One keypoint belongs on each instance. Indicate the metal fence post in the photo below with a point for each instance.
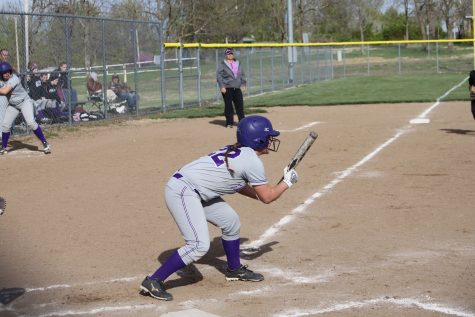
(104, 69)
(282, 67)
(198, 66)
(68, 75)
(344, 62)
(162, 69)
(272, 68)
(332, 71)
(318, 65)
(260, 70)
(399, 58)
(249, 75)
(218, 89)
(369, 71)
(310, 66)
(437, 56)
(180, 80)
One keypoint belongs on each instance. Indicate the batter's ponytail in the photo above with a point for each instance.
(229, 150)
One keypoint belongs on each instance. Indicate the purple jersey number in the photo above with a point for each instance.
(218, 156)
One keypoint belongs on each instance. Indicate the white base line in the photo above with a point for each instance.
(99, 310)
(426, 112)
(405, 302)
(61, 286)
(302, 207)
(308, 125)
(349, 171)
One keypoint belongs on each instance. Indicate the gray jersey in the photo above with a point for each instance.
(18, 94)
(211, 178)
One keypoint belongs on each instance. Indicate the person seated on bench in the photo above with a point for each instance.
(123, 92)
(38, 92)
(94, 87)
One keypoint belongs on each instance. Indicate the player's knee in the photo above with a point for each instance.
(197, 249)
(32, 125)
(202, 248)
(232, 229)
(6, 127)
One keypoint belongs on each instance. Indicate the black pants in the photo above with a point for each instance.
(473, 109)
(233, 96)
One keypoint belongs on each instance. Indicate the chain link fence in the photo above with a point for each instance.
(170, 76)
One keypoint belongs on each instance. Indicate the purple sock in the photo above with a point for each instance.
(231, 248)
(5, 137)
(39, 133)
(170, 266)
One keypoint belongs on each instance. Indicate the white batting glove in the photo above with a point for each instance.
(290, 176)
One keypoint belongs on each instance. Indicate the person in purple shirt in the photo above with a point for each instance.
(232, 83)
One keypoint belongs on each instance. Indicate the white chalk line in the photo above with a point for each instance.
(298, 278)
(62, 286)
(302, 207)
(95, 311)
(308, 125)
(428, 110)
(404, 302)
(348, 172)
(271, 231)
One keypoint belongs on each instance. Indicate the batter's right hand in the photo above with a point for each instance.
(223, 90)
(290, 176)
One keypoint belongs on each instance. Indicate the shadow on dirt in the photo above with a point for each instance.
(459, 131)
(215, 258)
(18, 145)
(8, 295)
(220, 122)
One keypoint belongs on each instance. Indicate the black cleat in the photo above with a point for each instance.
(243, 274)
(155, 288)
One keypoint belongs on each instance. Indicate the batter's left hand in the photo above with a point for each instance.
(290, 176)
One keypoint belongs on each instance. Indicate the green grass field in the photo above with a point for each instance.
(364, 90)
(355, 90)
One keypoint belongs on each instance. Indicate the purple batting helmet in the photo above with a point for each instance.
(257, 133)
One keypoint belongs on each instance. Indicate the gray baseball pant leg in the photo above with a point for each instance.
(3, 107)
(26, 108)
(186, 209)
(223, 216)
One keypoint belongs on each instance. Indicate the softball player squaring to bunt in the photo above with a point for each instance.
(18, 100)
(193, 197)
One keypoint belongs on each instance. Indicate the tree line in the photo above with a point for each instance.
(212, 21)
(265, 20)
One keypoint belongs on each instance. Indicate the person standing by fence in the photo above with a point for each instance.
(232, 83)
(4, 57)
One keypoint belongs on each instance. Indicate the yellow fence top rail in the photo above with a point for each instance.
(235, 45)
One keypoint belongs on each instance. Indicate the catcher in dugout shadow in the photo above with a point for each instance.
(193, 197)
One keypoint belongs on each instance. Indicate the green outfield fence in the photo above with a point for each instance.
(170, 76)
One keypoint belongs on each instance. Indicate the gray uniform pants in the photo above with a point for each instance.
(192, 215)
(26, 108)
(3, 107)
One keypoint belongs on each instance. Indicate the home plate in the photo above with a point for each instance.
(419, 121)
(189, 312)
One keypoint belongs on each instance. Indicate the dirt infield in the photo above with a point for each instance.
(381, 222)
